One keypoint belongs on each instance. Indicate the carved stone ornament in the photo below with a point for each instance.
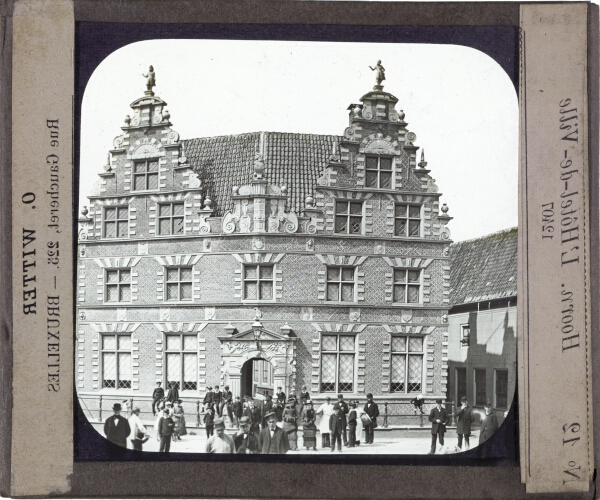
(142, 248)
(445, 233)
(406, 315)
(82, 250)
(157, 118)
(446, 251)
(380, 146)
(207, 244)
(367, 113)
(210, 313)
(194, 181)
(204, 225)
(349, 132)
(229, 223)
(432, 186)
(118, 141)
(380, 248)
(257, 314)
(393, 116)
(165, 313)
(411, 137)
(172, 137)
(354, 315)
(310, 244)
(82, 315)
(258, 243)
(325, 178)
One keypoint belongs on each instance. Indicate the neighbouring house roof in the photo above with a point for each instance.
(484, 268)
(293, 160)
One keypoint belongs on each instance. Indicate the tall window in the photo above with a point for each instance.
(379, 172)
(258, 282)
(170, 218)
(348, 217)
(116, 361)
(341, 282)
(461, 384)
(465, 334)
(145, 175)
(182, 361)
(407, 286)
(116, 222)
(265, 371)
(501, 386)
(337, 363)
(178, 283)
(480, 389)
(407, 364)
(407, 220)
(117, 285)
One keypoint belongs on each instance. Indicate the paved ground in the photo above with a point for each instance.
(387, 442)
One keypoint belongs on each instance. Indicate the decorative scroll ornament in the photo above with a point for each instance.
(432, 186)
(349, 132)
(229, 223)
(367, 112)
(118, 141)
(411, 137)
(204, 226)
(380, 146)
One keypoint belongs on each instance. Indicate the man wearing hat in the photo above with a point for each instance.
(139, 434)
(463, 424)
(326, 410)
(165, 431)
(237, 411)
(208, 398)
(220, 442)
(489, 423)
(438, 418)
(116, 427)
(343, 412)
(272, 440)
(335, 427)
(226, 400)
(372, 410)
(246, 440)
(352, 416)
(157, 395)
(217, 400)
(280, 404)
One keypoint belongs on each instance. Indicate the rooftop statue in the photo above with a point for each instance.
(380, 72)
(150, 78)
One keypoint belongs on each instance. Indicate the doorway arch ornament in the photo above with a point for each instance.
(258, 342)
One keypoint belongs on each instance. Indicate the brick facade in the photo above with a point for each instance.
(232, 245)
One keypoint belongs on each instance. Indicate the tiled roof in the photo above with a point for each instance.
(293, 160)
(484, 268)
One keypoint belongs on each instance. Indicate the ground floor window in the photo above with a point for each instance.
(501, 389)
(480, 388)
(406, 364)
(337, 363)
(116, 361)
(181, 356)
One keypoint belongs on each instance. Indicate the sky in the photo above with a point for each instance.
(458, 101)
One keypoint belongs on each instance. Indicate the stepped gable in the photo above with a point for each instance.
(484, 268)
(292, 160)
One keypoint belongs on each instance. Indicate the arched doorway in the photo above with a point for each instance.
(256, 378)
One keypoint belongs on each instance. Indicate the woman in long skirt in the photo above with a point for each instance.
(309, 429)
(179, 417)
(290, 425)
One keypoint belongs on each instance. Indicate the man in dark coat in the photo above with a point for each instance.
(463, 424)
(438, 418)
(246, 440)
(266, 409)
(208, 398)
(273, 440)
(236, 411)
(157, 395)
(343, 412)
(489, 423)
(352, 425)
(116, 427)
(279, 404)
(226, 400)
(372, 410)
(173, 394)
(336, 427)
(217, 400)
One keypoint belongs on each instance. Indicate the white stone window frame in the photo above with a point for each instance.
(355, 367)
(179, 282)
(407, 353)
(341, 282)
(391, 171)
(407, 284)
(118, 284)
(348, 215)
(182, 351)
(163, 199)
(145, 174)
(171, 217)
(408, 220)
(116, 220)
(116, 351)
(258, 280)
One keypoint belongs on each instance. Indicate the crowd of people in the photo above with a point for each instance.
(271, 425)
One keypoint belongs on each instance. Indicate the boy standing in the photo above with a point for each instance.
(335, 428)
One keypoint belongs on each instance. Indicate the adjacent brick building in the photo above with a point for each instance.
(482, 346)
(326, 257)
